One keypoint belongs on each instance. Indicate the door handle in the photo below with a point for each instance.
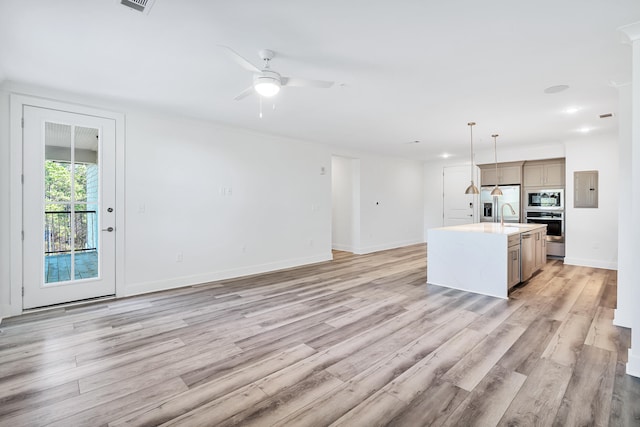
(109, 229)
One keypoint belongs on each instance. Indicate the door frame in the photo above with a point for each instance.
(17, 101)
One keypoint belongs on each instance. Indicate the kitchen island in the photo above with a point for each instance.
(485, 258)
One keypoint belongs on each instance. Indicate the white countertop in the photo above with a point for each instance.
(494, 228)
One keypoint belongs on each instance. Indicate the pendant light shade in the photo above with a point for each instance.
(496, 190)
(471, 189)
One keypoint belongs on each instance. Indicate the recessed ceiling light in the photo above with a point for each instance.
(556, 89)
(572, 110)
(584, 130)
(445, 155)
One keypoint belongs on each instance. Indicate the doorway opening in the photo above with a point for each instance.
(345, 204)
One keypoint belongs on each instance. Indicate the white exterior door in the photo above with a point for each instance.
(458, 208)
(69, 207)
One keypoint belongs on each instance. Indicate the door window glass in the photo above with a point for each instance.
(71, 191)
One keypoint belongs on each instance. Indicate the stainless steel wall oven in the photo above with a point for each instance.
(553, 220)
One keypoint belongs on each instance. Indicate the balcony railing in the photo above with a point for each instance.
(58, 231)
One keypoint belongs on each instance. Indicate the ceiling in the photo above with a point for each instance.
(413, 70)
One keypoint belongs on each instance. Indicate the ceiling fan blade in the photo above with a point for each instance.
(244, 63)
(248, 91)
(292, 81)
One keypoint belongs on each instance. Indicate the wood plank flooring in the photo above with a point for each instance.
(359, 341)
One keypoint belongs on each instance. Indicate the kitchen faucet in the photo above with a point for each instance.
(502, 213)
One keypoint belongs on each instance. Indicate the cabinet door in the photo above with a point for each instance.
(533, 175)
(541, 257)
(488, 177)
(554, 174)
(513, 265)
(509, 175)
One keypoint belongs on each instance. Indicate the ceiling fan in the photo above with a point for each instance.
(267, 82)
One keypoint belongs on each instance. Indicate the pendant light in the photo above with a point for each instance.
(496, 190)
(471, 189)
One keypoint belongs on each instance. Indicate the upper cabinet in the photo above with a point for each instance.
(508, 173)
(547, 173)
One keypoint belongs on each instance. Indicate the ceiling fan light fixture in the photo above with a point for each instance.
(266, 86)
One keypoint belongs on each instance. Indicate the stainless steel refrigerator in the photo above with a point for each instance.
(491, 207)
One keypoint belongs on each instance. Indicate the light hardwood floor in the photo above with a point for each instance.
(359, 341)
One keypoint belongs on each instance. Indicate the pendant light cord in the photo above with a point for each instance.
(471, 156)
(495, 155)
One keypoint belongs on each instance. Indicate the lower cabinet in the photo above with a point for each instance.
(533, 252)
(513, 265)
(541, 249)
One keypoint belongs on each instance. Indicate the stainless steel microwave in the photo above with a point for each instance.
(552, 199)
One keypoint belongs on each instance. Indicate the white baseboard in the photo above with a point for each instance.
(622, 318)
(385, 246)
(178, 282)
(339, 247)
(7, 311)
(594, 263)
(633, 365)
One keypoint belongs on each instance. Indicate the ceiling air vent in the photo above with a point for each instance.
(139, 5)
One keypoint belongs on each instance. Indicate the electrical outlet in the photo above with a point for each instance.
(179, 257)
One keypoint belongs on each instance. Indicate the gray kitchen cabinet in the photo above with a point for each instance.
(540, 239)
(507, 174)
(513, 261)
(548, 173)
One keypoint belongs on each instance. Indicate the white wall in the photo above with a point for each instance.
(342, 199)
(433, 186)
(626, 279)
(633, 366)
(388, 201)
(5, 265)
(631, 248)
(278, 214)
(391, 203)
(506, 153)
(591, 235)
